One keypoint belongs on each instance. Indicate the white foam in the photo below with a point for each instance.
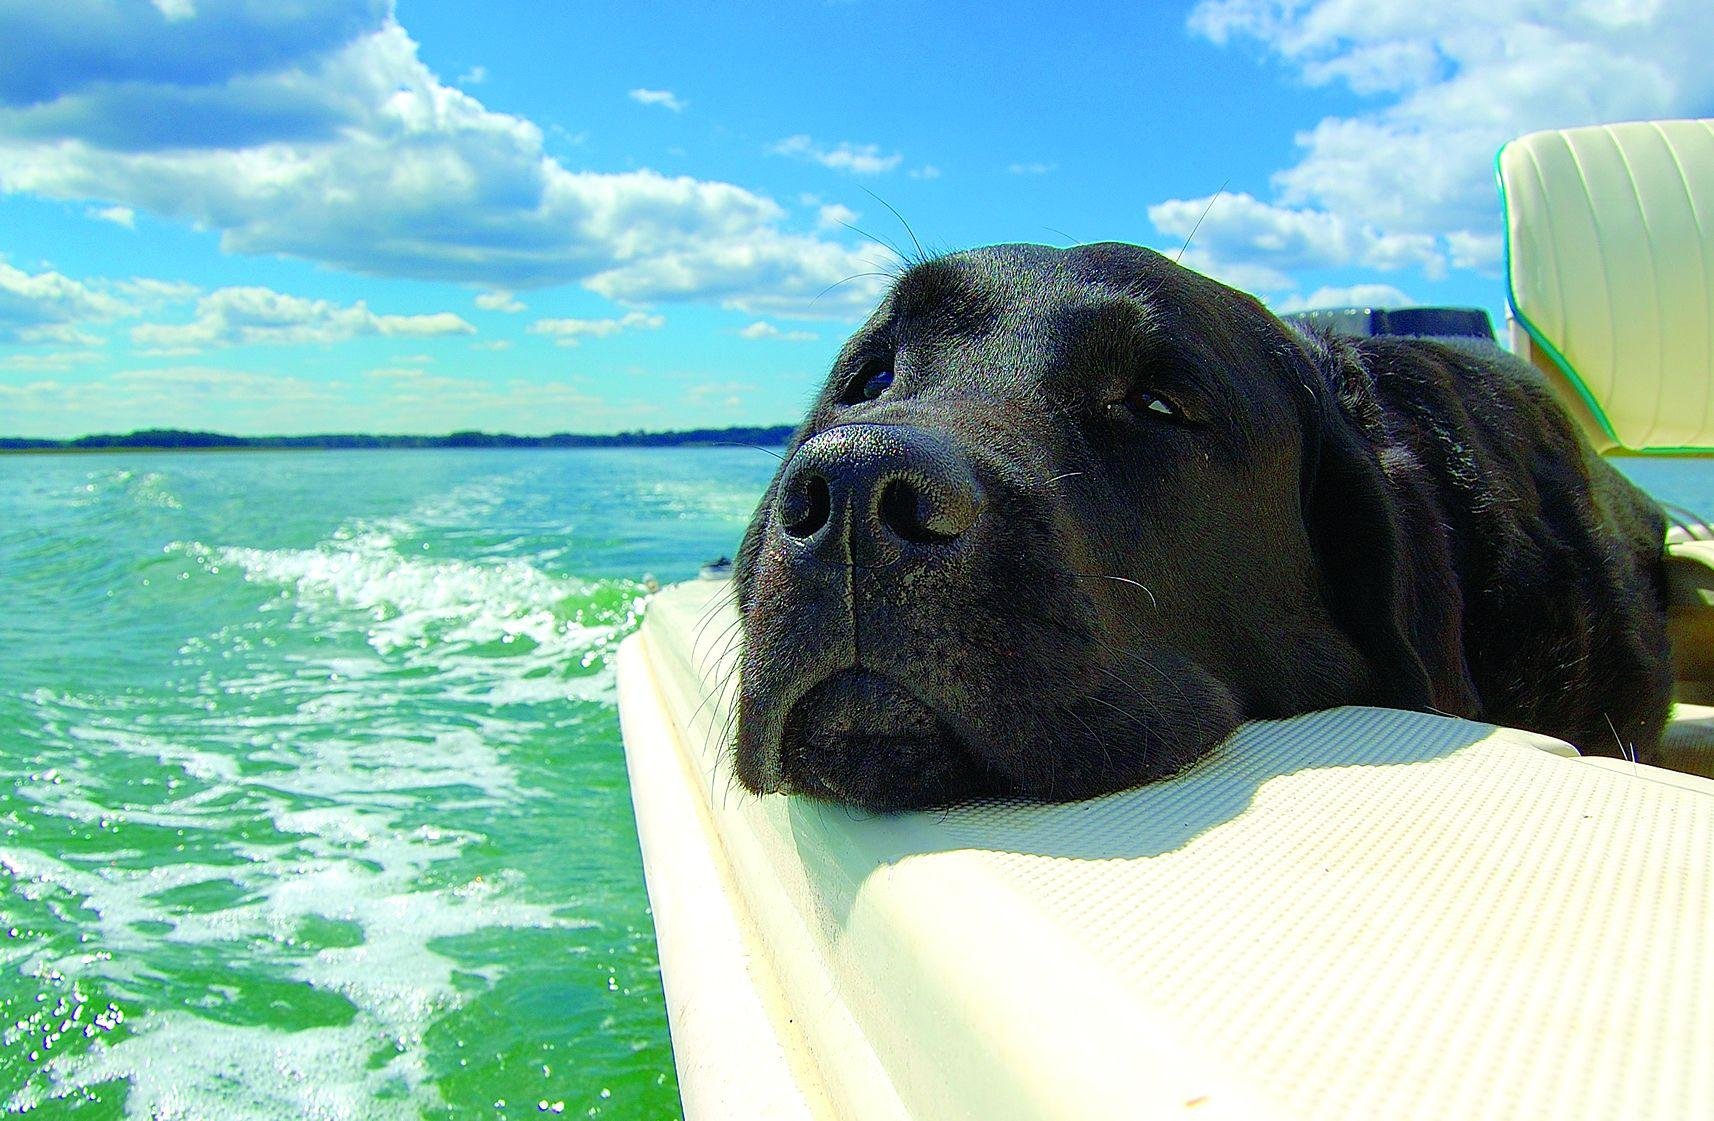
(183, 1067)
(350, 861)
(410, 601)
(321, 749)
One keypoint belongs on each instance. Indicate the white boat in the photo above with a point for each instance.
(1358, 913)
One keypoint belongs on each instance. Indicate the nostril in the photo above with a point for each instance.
(914, 517)
(809, 509)
(857, 493)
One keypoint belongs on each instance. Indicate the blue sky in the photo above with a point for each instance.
(356, 215)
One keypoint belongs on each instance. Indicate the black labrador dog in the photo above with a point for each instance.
(1062, 519)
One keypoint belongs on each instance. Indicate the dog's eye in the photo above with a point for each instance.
(870, 382)
(1139, 401)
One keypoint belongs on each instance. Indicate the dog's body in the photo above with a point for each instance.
(1062, 519)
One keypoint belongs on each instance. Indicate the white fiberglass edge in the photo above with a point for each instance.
(1353, 914)
(732, 1060)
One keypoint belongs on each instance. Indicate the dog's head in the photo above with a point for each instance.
(1058, 522)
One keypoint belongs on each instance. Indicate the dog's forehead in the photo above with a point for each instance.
(1027, 307)
(1021, 320)
(1020, 281)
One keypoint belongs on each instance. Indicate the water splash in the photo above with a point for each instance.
(301, 781)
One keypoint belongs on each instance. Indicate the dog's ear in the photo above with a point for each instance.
(1385, 564)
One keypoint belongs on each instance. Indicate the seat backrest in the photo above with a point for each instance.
(1610, 269)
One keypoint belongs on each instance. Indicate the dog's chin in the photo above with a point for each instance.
(865, 740)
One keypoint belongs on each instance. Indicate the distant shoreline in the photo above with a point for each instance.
(173, 439)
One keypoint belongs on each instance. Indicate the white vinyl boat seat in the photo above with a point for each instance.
(1610, 279)
(1610, 271)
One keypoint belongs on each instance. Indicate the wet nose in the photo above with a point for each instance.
(876, 489)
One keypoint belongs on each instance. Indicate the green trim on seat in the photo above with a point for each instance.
(1687, 452)
(1572, 377)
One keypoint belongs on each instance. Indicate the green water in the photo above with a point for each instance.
(313, 801)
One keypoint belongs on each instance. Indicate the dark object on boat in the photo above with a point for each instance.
(720, 568)
(1470, 324)
(1062, 519)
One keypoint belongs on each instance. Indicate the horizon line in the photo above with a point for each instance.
(184, 439)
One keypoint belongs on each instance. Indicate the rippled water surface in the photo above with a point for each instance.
(313, 801)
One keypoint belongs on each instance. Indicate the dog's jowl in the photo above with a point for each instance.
(1061, 519)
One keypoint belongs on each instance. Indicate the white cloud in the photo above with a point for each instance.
(499, 301)
(768, 273)
(216, 383)
(315, 130)
(572, 332)
(475, 76)
(727, 395)
(927, 171)
(762, 329)
(1234, 225)
(666, 99)
(1355, 295)
(49, 359)
(440, 404)
(199, 397)
(35, 396)
(46, 307)
(58, 334)
(1409, 182)
(79, 48)
(1245, 274)
(248, 402)
(858, 159)
(1475, 250)
(1031, 168)
(834, 214)
(118, 215)
(246, 316)
(150, 291)
(166, 389)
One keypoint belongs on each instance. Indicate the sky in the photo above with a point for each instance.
(416, 217)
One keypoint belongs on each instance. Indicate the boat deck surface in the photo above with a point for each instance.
(1353, 914)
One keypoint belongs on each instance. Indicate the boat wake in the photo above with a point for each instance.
(259, 889)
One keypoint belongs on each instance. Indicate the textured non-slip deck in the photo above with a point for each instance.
(1353, 914)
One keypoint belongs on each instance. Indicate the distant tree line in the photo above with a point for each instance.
(766, 435)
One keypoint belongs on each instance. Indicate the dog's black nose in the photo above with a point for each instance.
(874, 488)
